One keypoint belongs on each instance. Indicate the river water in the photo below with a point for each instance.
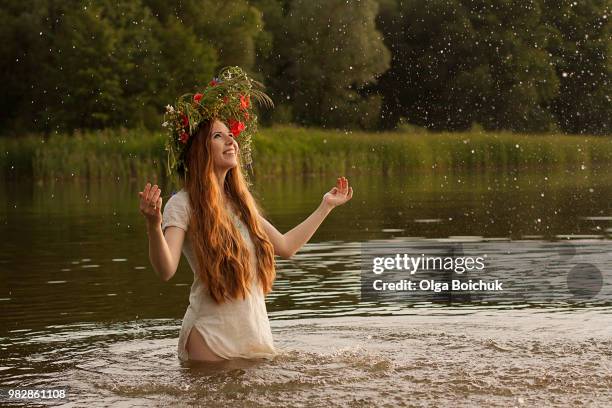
(82, 308)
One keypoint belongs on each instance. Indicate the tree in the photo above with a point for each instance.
(335, 51)
(273, 59)
(184, 62)
(22, 48)
(85, 67)
(456, 62)
(580, 50)
(229, 26)
(99, 71)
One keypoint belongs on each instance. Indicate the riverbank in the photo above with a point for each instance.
(137, 154)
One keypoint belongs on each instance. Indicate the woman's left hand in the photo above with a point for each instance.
(338, 195)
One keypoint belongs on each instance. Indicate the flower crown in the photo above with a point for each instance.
(227, 98)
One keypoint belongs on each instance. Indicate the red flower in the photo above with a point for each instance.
(214, 82)
(197, 97)
(236, 127)
(245, 101)
(184, 137)
(225, 99)
(185, 120)
(246, 115)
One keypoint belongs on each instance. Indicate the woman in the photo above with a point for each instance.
(215, 221)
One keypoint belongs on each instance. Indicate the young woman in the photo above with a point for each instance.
(216, 223)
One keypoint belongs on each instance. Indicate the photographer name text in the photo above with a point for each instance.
(438, 286)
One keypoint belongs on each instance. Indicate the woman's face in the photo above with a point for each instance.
(223, 147)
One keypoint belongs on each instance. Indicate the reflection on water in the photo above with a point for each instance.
(81, 306)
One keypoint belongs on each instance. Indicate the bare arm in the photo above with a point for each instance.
(286, 245)
(164, 251)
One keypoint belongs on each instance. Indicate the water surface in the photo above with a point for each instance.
(81, 306)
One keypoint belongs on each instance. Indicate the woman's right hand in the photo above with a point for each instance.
(150, 204)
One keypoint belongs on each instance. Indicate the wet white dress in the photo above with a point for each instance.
(234, 329)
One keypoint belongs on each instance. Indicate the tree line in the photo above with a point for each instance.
(519, 65)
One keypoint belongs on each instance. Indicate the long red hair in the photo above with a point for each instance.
(222, 254)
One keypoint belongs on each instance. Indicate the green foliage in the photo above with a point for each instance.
(336, 50)
(138, 154)
(520, 65)
(111, 64)
(500, 64)
(198, 61)
(101, 71)
(230, 26)
(581, 50)
(458, 62)
(227, 98)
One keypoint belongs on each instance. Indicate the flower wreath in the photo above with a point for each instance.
(227, 98)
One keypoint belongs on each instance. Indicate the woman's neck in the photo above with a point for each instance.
(229, 203)
(221, 174)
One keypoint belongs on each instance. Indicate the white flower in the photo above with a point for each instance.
(165, 124)
(169, 108)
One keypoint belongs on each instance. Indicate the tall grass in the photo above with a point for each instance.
(121, 154)
(295, 150)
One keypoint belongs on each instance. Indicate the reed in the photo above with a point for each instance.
(288, 150)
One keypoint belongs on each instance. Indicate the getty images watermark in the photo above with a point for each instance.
(486, 272)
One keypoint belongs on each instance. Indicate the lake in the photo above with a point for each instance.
(83, 309)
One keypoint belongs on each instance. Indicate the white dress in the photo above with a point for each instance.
(234, 329)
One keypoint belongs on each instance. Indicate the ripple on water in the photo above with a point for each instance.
(423, 359)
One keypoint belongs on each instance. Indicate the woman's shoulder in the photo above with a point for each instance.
(180, 197)
(181, 194)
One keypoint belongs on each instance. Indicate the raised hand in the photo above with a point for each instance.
(340, 194)
(151, 204)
